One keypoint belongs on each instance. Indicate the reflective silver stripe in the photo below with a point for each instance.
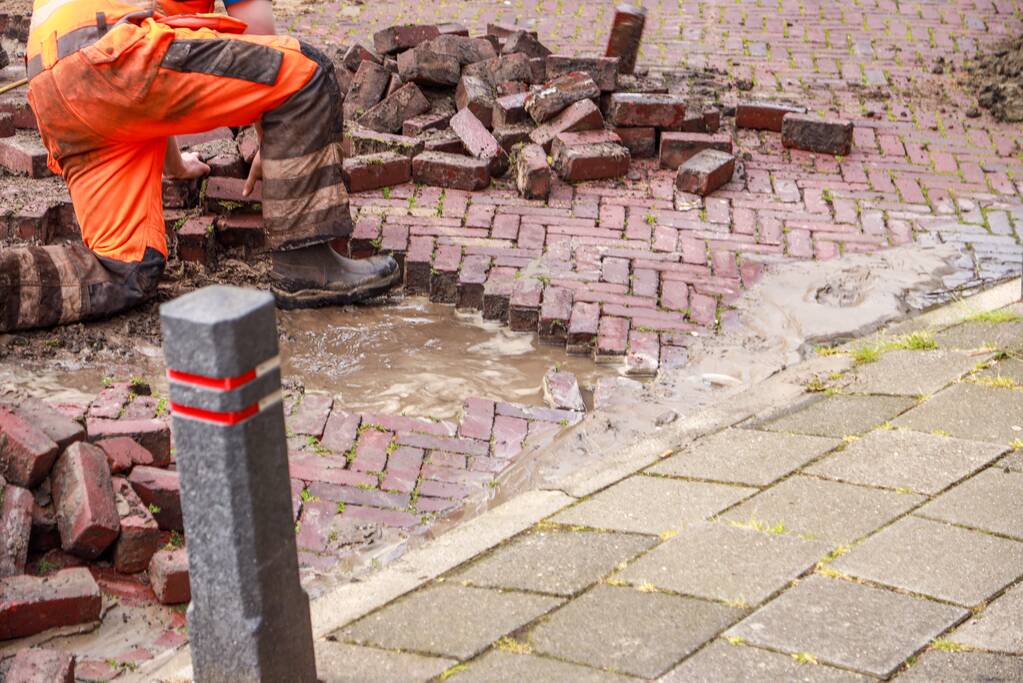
(67, 44)
(40, 15)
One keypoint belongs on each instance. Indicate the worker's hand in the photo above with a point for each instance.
(255, 174)
(191, 166)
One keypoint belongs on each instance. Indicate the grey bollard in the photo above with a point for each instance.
(249, 617)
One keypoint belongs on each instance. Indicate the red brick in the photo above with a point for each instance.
(16, 506)
(417, 125)
(427, 67)
(509, 110)
(16, 104)
(368, 87)
(557, 94)
(532, 172)
(466, 50)
(38, 665)
(603, 70)
(524, 305)
(583, 327)
(555, 312)
(32, 604)
(711, 119)
(443, 141)
(586, 137)
(612, 337)
(394, 39)
(26, 452)
(641, 142)
(196, 241)
(140, 535)
(471, 279)
(504, 30)
(240, 231)
(677, 147)
(477, 419)
(356, 55)
(814, 134)
(224, 195)
(160, 491)
(582, 115)
(123, 453)
(373, 171)
(451, 170)
(509, 433)
(417, 263)
(513, 67)
(442, 443)
(24, 154)
(6, 125)
(359, 141)
(524, 42)
(444, 276)
(763, 115)
(643, 110)
(705, 172)
(327, 469)
(497, 292)
(153, 435)
(388, 115)
(626, 36)
(83, 498)
(452, 28)
(510, 136)
(643, 354)
(168, 573)
(591, 161)
(476, 95)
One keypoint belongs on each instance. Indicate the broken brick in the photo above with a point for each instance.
(643, 354)
(705, 172)
(39, 665)
(476, 95)
(561, 391)
(532, 173)
(677, 147)
(466, 50)
(510, 136)
(426, 67)
(394, 39)
(603, 70)
(582, 115)
(509, 110)
(373, 171)
(26, 452)
(16, 505)
(417, 125)
(140, 535)
(626, 36)
(83, 497)
(153, 435)
(591, 161)
(641, 142)
(525, 43)
(763, 115)
(513, 67)
(368, 88)
(160, 491)
(168, 573)
(32, 604)
(388, 115)
(815, 134)
(479, 142)
(544, 104)
(666, 112)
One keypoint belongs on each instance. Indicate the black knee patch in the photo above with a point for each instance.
(225, 58)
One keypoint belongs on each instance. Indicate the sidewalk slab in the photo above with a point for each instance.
(504, 667)
(911, 373)
(984, 335)
(936, 559)
(745, 456)
(866, 629)
(988, 501)
(999, 627)
(722, 562)
(1014, 462)
(899, 458)
(936, 665)
(966, 411)
(343, 663)
(721, 661)
(447, 620)
(558, 562)
(839, 416)
(652, 505)
(824, 510)
(634, 632)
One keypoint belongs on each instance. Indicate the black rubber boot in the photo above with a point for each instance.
(317, 276)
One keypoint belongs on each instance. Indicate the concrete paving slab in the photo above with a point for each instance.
(823, 510)
(965, 411)
(839, 415)
(904, 459)
(558, 562)
(745, 456)
(344, 663)
(1013, 462)
(652, 505)
(472, 619)
(936, 559)
(936, 666)
(505, 667)
(999, 627)
(1007, 369)
(911, 373)
(721, 661)
(723, 562)
(984, 335)
(988, 501)
(872, 630)
(630, 631)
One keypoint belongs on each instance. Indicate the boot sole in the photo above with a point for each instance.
(319, 298)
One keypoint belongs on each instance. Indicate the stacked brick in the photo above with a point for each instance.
(90, 490)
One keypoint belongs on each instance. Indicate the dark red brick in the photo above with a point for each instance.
(180, 194)
(510, 110)
(538, 70)
(44, 521)
(546, 103)
(603, 70)
(16, 104)
(444, 141)
(453, 28)
(466, 50)
(582, 115)
(451, 170)
(24, 154)
(368, 87)
(359, 141)
(532, 172)
(641, 142)
(373, 171)
(526, 43)
(612, 337)
(140, 535)
(341, 430)
(224, 195)
(417, 125)
(32, 604)
(524, 305)
(16, 505)
(168, 573)
(711, 119)
(555, 313)
(644, 110)
(444, 276)
(196, 240)
(505, 30)
(38, 665)
(26, 452)
(815, 134)
(153, 435)
(513, 67)
(357, 54)
(763, 115)
(705, 172)
(586, 137)
(497, 292)
(510, 136)
(476, 95)
(471, 279)
(427, 67)
(388, 115)
(591, 161)
(626, 36)
(83, 498)
(677, 147)
(418, 261)
(160, 491)
(397, 38)
(479, 142)
(6, 125)
(241, 231)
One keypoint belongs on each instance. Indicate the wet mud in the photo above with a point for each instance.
(997, 76)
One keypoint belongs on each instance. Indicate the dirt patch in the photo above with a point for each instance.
(998, 77)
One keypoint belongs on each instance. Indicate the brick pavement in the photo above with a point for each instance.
(865, 530)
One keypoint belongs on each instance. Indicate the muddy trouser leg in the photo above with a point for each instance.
(52, 285)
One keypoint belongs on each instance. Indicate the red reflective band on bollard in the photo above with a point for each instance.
(231, 418)
(223, 384)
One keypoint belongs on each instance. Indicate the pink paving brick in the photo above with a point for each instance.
(340, 431)
(643, 353)
(330, 470)
(371, 451)
(509, 433)
(310, 417)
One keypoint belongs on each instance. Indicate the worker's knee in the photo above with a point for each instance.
(128, 284)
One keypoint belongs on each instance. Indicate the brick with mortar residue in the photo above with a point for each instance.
(524, 305)
(471, 279)
(533, 175)
(444, 276)
(586, 137)
(394, 39)
(466, 50)
(17, 105)
(555, 313)
(224, 195)
(140, 535)
(561, 391)
(641, 142)
(83, 498)
(603, 70)
(526, 43)
(16, 507)
(592, 162)
(582, 327)
(815, 134)
(667, 112)
(497, 292)
(359, 141)
(510, 136)
(160, 490)
(705, 172)
(417, 125)
(513, 67)
(168, 572)
(24, 154)
(368, 87)
(451, 170)
(677, 147)
(476, 95)
(626, 36)
(582, 115)
(763, 115)
(26, 452)
(443, 141)
(153, 435)
(388, 115)
(426, 67)
(612, 337)
(557, 94)
(39, 665)
(32, 604)
(509, 110)
(373, 171)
